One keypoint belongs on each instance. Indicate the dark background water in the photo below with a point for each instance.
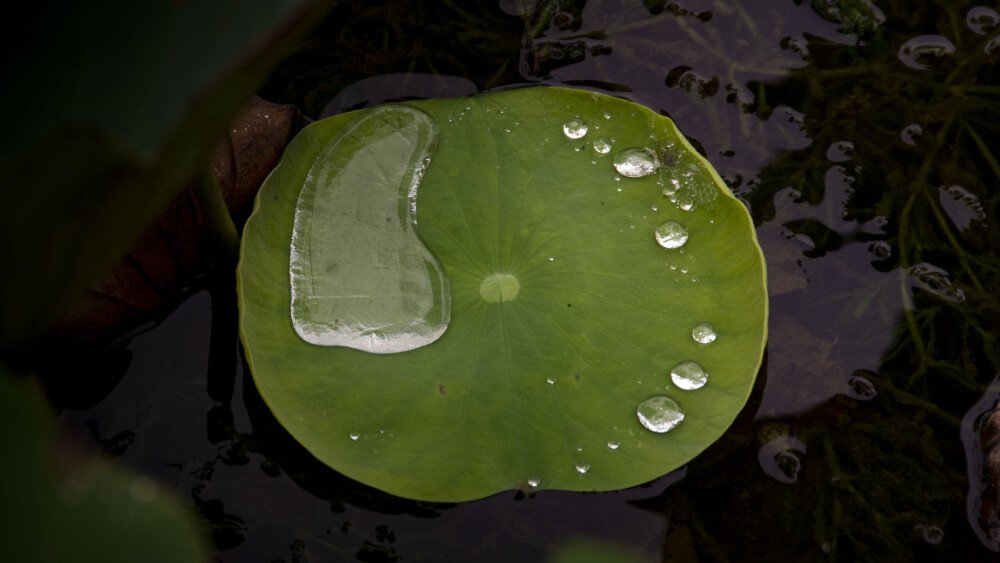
(864, 138)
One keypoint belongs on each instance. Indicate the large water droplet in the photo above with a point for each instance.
(360, 276)
(689, 375)
(671, 234)
(582, 468)
(704, 333)
(982, 20)
(636, 162)
(575, 128)
(602, 145)
(924, 51)
(660, 413)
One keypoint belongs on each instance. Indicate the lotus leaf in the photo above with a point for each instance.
(450, 298)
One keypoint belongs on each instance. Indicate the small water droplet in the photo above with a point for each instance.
(575, 128)
(671, 234)
(534, 482)
(607, 115)
(602, 145)
(689, 375)
(552, 258)
(660, 413)
(613, 444)
(354, 436)
(704, 333)
(551, 381)
(636, 162)
(685, 202)
(582, 468)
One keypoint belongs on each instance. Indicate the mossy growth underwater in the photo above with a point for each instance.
(533, 289)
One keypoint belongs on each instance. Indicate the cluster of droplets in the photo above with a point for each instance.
(658, 413)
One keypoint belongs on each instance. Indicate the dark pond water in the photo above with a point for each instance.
(864, 137)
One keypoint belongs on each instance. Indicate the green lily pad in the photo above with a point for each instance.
(602, 292)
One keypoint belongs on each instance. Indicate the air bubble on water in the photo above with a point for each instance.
(689, 375)
(931, 534)
(660, 413)
(982, 20)
(779, 458)
(861, 388)
(704, 333)
(575, 128)
(911, 133)
(636, 162)
(961, 206)
(613, 444)
(880, 249)
(936, 280)
(582, 468)
(602, 145)
(671, 234)
(924, 51)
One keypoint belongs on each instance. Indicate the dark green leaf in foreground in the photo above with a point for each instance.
(597, 270)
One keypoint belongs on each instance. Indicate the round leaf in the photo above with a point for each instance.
(590, 260)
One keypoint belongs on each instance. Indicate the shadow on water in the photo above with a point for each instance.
(865, 148)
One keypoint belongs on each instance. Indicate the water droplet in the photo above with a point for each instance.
(613, 444)
(671, 234)
(685, 202)
(704, 333)
(636, 162)
(338, 291)
(575, 128)
(552, 258)
(982, 20)
(660, 413)
(602, 145)
(534, 482)
(655, 208)
(354, 436)
(582, 468)
(607, 115)
(923, 51)
(551, 381)
(689, 375)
